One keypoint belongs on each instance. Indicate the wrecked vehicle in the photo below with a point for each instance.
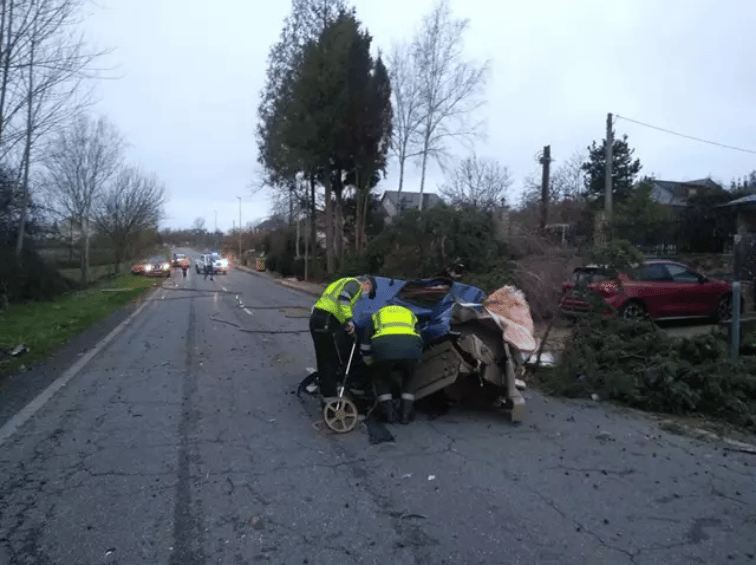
(473, 343)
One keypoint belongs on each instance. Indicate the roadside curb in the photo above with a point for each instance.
(295, 286)
(285, 282)
(705, 435)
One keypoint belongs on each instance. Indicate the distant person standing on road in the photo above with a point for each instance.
(209, 270)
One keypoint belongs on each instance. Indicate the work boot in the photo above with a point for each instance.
(386, 405)
(408, 408)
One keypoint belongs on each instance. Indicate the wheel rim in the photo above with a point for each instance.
(633, 311)
(724, 309)
(340, 414)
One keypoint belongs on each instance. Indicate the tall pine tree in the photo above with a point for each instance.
(624, 170)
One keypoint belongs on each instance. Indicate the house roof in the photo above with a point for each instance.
(270, 223)
(679, 190)
(750, 199)
(406, 199)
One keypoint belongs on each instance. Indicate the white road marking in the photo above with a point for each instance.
(224, 288)
(12, 425)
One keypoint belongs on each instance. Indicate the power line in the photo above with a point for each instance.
(687, 136)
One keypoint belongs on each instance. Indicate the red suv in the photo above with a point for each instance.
(657, 289)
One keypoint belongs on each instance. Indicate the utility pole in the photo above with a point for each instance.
(215, 233)
(240, 230)
(545, 161)
(608, 179)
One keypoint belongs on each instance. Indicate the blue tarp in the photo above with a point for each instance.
(431, 300)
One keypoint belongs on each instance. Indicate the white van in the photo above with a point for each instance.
(214, 262)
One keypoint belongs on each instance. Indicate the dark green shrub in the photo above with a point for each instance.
(638, 364)
(32, 280)
(271, 262)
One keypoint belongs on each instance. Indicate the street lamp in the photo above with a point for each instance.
(240, 249)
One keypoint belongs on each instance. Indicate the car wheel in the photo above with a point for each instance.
(724, 308)
(633, 310)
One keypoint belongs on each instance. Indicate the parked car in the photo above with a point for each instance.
(177, 257)
(658, 289)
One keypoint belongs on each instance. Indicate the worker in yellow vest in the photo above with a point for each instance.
(331, 322)
(393, 343)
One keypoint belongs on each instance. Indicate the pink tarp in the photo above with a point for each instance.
(509, 308)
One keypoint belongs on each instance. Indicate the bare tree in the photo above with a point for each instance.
(567, 180)
(405, 90)
(450, 88)
(42, 66)
(79, 163)
(199, 224)
(131, 204)
(478, 183)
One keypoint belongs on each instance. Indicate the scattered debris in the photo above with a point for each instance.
(594, 396)
(19, 350)
(377, 432)
(704, 435)
(408, 515)
(604, 437)
(407, 475)
(256, 523)
(431, 477)
(750, 449)
(110, 551)
(520, 384)
(547, 359)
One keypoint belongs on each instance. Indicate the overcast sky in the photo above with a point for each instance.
(190, 72)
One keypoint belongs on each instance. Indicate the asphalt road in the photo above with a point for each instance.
(182, 443)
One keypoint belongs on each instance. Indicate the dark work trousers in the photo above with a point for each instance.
(384, 380)
(326, 332)
(208, 271)
(391, 353)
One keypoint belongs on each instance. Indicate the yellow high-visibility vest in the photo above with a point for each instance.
(329, 300)
(394, 320)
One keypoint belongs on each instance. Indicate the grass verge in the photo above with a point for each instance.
(43, 326)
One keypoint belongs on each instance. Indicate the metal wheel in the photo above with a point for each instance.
(724, 308)
(633, 311)
(340, 414)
